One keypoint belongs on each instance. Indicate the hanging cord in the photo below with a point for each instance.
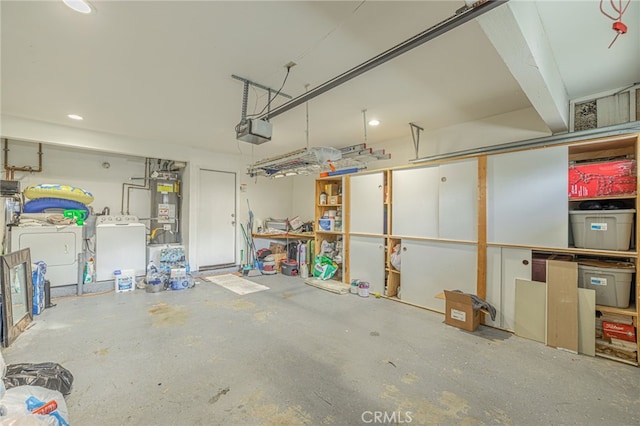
(306, 104)
(271, 98)
(618, 26)
(364, 121)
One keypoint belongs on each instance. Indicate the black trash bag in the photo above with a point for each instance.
(47, 375)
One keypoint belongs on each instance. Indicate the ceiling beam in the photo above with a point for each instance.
(519, 38)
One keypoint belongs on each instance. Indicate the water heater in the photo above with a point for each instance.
(165, 208)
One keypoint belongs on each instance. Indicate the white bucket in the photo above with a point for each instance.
(354, 287)
(124, 280)
(363, 289)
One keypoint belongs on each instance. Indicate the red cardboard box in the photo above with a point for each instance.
(619, 331)
(602, 179)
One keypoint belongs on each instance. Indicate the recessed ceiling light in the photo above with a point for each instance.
(74, 116)
(81, 6)
(374, 122)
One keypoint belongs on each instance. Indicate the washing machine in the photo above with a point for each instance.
(121, 242)
(57, 246)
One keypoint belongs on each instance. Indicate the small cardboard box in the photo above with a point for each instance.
(619, 331)
(277, 247)
(331, 189)
(278, 258)
(459, 311)
(334, 199)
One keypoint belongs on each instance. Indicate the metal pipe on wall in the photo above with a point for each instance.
(145, 185)
(9, 170)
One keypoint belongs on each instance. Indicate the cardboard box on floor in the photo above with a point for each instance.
(279, 257)
(277, 247)
(459, 310)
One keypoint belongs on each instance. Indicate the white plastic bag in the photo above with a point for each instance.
(3, 371)
(14, 408)
(395, 257)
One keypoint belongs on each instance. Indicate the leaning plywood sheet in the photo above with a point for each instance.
(329, 285)
(531, 310)
(562, 305)
(587, 321)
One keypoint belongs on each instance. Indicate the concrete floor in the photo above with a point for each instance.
(296, 354)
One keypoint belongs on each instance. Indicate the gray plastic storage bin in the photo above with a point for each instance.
(602, 229)
(612, 282)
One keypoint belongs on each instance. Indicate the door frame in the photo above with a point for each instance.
(197, 205)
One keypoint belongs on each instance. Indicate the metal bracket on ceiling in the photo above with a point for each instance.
(245, 93)
(415, 135)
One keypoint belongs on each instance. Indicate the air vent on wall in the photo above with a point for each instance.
(607, 110)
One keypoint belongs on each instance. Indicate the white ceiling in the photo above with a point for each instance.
(161, 70)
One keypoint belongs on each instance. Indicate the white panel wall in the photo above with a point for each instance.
(458, 200)
(366, 209)
(527, 198)
(429, 267)
(366, 261)
(415, 202)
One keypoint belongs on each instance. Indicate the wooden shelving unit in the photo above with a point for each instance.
(332, 187)
(618, 148)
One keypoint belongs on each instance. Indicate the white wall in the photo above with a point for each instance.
(268, 198)
(74, 156)
(80, 150)
(303, 197)
(511, 127)
(84, 169)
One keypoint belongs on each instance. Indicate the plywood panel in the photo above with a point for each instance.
(516, 263)
(562, 305)
(587, 321)
(531, 310)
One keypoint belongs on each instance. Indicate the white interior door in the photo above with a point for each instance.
(415, 202)
(216, 219)
(366, 261)
(366, 210)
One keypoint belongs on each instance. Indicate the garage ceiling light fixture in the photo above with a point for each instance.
(80, 6)
(75, 117)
